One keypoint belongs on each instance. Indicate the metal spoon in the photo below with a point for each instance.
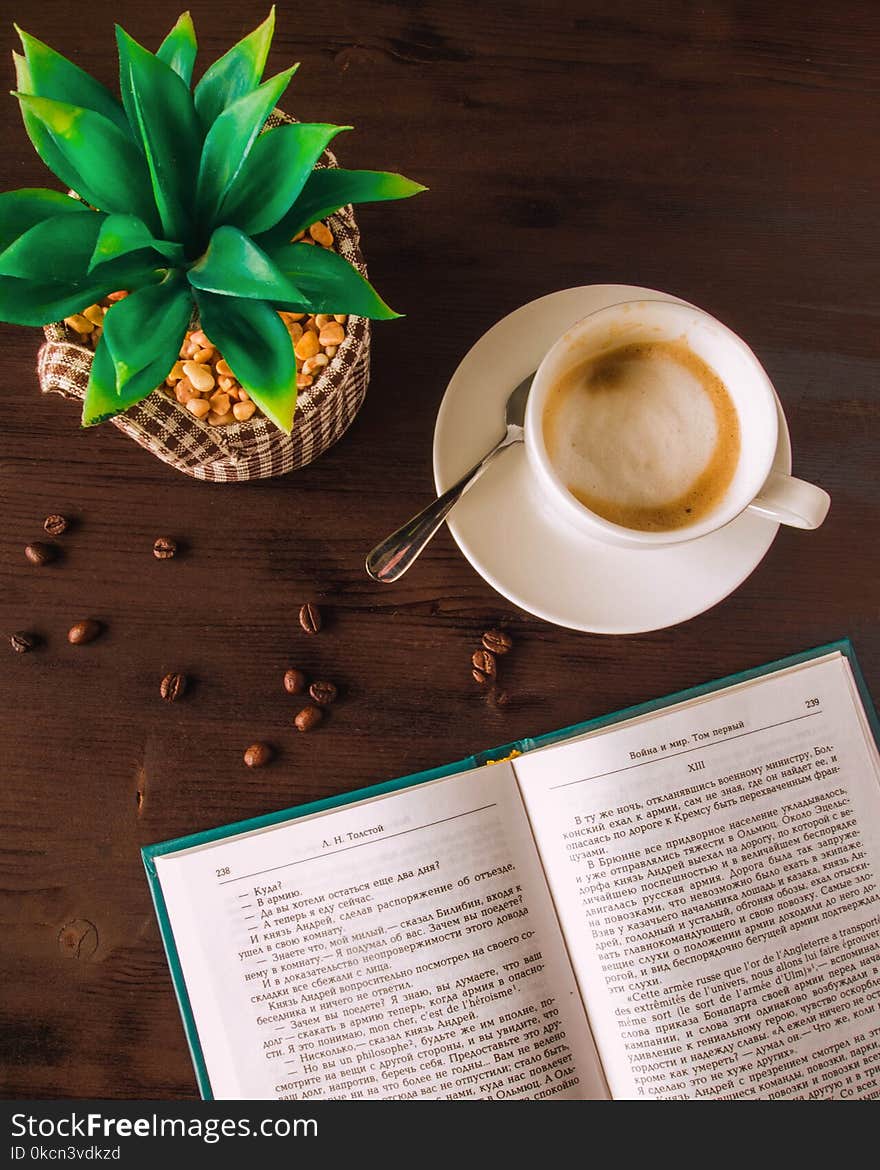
(396, 553)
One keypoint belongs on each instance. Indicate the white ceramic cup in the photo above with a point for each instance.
(779, 498)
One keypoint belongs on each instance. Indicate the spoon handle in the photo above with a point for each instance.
(390, 559)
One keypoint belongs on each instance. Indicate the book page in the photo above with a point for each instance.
(405, 946)
(715, 871)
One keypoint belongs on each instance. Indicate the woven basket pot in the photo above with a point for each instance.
(255, 449)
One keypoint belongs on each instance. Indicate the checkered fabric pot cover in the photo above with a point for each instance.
(256, 449)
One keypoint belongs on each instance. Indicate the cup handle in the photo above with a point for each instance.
(787, 500)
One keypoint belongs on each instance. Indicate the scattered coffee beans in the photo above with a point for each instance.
(84, 631)
(295, 681)
(308, 718)
(310, 618)
(484, 665)
(21, 643)
(497, 641)
(324, 693)
(257, 755)
(172, 686)
(164, 548)
(484, 661)
(55, 525)
(39, 553)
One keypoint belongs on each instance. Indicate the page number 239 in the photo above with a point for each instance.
(808, 703)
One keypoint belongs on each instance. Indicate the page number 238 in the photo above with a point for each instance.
(222, 872)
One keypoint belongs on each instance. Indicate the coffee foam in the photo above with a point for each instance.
(644, 434)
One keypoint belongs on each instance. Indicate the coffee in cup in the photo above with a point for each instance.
(650, 423)
(644, 434)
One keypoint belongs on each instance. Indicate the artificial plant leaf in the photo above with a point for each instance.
(147, 327)
(234, 266)
(24, 209)
(234, 74)
(254, 341)
(102, 401)
(56, 249)
(329, 188)
(130, 271)
(53, 76)
(60, 250)
(39, 302)
(329, 284)
(179, 48)
(40, 137)
(121, 234)
(110, 170)
(274, 173)
(229, 141)
(167, 127)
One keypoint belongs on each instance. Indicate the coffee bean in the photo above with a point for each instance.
(84, 631)
(310, 618)
(164, 548)
(324, 693)
(39, 553)
(308, 718)
(257, 755)
(55, 525)
(21, 643)
(497, 641)
(295, 681)
(172, 686)
(499, 697)
(484, 661)
(480, 678)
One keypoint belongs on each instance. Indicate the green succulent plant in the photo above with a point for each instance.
(187, 203)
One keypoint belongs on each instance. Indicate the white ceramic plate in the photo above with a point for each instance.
(535, 558)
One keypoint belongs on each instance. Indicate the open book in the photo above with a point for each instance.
(679, 901)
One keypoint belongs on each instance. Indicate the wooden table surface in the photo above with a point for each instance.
(725, 152)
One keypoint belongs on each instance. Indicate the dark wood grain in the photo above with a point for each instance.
(725, 152)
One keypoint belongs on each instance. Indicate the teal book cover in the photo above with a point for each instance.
(151, 852)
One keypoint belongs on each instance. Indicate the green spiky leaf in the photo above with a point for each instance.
(24, 209)
(56, 249)
(274, 174)
(168, 130)
(229, 141)
(40, 138)
(234, 266)
(43, 142)
(235, 74)
(109, 170)
(39, 301)
(180, 47)
(254, 341)
(53, 76)
(31, 302)
(102, 400)
(130, 271)
(57, 252)
(328, 189)
(146, 328)
(329, 284)
(121, 234)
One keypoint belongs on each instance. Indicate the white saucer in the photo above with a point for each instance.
(536, 559)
